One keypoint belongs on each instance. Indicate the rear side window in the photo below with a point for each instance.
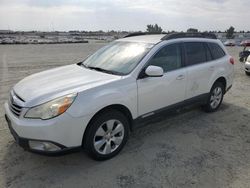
(208, 53)
(216, 50)
(196, 53)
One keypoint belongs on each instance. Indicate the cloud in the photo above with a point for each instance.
(123, 14)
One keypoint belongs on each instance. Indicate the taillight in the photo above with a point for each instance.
(231, 61)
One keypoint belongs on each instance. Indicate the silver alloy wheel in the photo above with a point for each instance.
(109, 136)
(216, 97)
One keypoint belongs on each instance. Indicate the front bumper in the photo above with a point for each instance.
(64, 132)
(24, 143)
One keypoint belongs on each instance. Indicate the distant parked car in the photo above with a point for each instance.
(247, 66)
(244, 54)
(230, 43)
(245, 43)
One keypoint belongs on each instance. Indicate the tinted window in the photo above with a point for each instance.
(195, 53)
(216, 50)
(169, 58)
(208, 53)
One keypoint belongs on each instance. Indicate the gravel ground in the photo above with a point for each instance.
(187, 149)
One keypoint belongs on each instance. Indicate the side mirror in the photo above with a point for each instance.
(154, 71)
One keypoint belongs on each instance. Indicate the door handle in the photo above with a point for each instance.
(180, 77)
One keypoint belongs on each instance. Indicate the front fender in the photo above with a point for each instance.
(88, 103)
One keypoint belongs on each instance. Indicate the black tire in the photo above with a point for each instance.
(247, 73)
(99, 123)
(208, 107)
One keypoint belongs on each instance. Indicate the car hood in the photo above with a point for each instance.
(47, 85)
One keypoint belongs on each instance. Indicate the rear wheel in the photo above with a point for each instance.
(215, 97)
(247, 73)
(107, 135)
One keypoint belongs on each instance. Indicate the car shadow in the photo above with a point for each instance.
(153, 141)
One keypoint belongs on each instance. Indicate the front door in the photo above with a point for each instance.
(155, 93)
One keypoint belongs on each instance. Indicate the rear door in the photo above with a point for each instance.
(200, 67)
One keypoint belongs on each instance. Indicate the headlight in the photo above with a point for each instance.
(52, 108)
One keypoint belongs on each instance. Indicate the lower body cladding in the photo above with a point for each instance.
(54, 136)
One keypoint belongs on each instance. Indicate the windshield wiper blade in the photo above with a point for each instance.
(103, 70)
(82, 64)
(100, 69)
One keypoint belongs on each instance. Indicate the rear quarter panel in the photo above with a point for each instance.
(223, 68)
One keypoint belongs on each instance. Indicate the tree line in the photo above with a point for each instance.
(156, 29)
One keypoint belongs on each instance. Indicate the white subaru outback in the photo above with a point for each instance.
(94, 104)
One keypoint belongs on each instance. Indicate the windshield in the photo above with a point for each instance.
(118, 57)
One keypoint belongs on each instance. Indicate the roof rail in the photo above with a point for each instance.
(189, 35)
(141, 33)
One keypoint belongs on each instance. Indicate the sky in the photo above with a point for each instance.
(128, 15)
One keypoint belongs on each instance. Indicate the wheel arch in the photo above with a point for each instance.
(119, 107)
(223, 81)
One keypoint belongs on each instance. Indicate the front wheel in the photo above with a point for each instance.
(107, 135)
(215, 97)
(247, 73)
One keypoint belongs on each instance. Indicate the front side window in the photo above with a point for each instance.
(169, 58)
(118, 57)
(195, 53)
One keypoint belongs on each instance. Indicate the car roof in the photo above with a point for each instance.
(152, 39)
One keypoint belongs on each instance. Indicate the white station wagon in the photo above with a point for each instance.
(94, 104)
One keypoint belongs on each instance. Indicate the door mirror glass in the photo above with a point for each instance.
(154, 71)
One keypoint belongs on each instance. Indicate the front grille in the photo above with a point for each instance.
(14, 107)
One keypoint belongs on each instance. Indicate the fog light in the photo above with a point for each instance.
(43, 146)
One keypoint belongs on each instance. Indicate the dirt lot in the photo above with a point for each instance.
(189, 149)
